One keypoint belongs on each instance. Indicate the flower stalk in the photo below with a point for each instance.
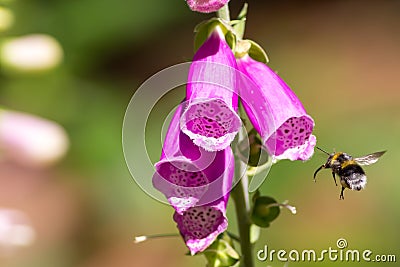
(240, 192)
(197, 164)
(240, 195)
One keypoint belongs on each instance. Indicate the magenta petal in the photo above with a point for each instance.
(199, 226)
(197, 184)
(210, 118)
(187, 174)
(206, 6)
(276, 112)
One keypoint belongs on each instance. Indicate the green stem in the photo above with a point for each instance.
(223, 13)
(240, 195)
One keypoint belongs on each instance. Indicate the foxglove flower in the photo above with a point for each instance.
(210, 118)
(200, 225)
(187, 174)
(196, 183)
(275, 112)
(31, 140)
(206, 6)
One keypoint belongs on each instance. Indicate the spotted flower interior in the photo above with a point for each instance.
(181, 182)
(210, 118)
(200, 225)
(292, 133)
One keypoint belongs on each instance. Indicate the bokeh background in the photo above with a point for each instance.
(342, 59)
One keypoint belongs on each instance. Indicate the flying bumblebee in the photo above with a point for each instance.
(351, 174)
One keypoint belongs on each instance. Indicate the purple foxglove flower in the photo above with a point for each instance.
(200, 225)
(197, 184)
(275, 112)
(206, 6)
(189, 175)
(210, 118)
(31, 140)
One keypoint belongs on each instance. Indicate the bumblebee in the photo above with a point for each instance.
(349, 169)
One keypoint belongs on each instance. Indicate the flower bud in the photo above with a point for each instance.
(263, 212)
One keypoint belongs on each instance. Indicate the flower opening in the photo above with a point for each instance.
(187, 174)
(200, 226)
(197, 184)
(210, 118)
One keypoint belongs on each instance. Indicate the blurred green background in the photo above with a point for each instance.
(341, 58)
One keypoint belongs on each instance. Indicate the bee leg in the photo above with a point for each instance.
(315, 173)
(334, 178)
(341, 193)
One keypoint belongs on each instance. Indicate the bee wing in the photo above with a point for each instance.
(370, 158)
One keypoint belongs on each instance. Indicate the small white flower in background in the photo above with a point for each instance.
(6, 19)
(15, 230)
(31, 140)
(31, 53)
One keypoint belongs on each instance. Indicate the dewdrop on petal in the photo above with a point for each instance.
(31, 140)
(31, 53)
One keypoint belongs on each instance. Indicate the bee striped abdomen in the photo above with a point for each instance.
(353, 176)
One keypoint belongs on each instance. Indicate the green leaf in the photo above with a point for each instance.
(257, 52)
(243, 12)
(221, 253)
(204, 29)
(240, 23)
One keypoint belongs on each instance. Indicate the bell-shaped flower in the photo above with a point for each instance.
(210, 118)
(275, 112)
(206, 6)
(196, 183)
(200, 225)
(31, 140)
